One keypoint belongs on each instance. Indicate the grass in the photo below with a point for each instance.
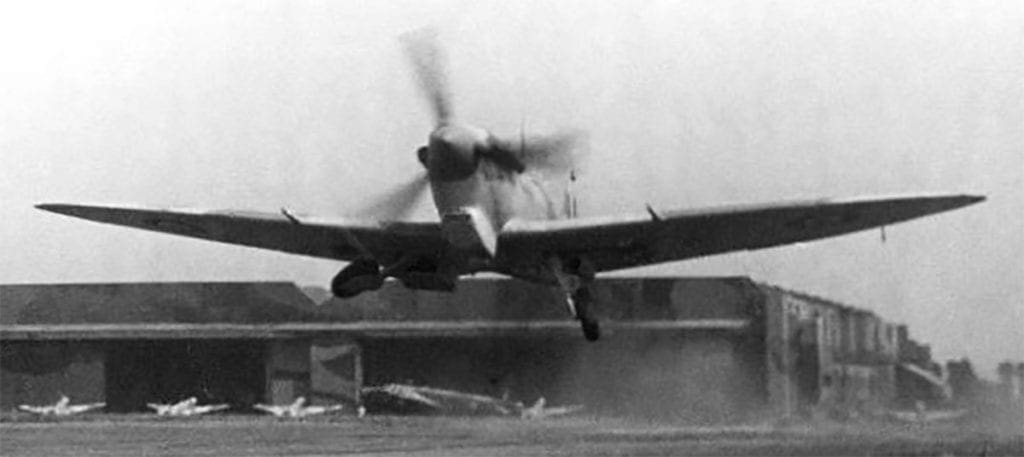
(389, 435)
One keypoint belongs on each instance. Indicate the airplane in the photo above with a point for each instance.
(297, 409)
(186, 407)
(539, 411)
(173, 409)
(437, 400)
(452, 401)
(506, 206)
(63, 407)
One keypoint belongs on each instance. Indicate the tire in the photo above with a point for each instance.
(358, 277)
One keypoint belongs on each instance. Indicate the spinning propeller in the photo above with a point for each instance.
(453, 145)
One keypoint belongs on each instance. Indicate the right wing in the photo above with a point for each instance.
(213, 408)
(275, 410)
(563, 410)
(205, 409)
(339, 239)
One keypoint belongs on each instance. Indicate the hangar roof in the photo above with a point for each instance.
(366, 329)
(149, 303)
(281, 310)
(615, 298)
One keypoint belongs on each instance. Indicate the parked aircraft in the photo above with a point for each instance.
(297, 409)
(186, 407)
(63, 407)
(505, 205)
(539, 411)
(398, 397)
(173, 409)
(405, 398)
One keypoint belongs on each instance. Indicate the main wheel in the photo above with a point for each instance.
(583, 299)
(358, 277)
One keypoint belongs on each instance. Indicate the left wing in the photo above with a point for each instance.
(340, 239)
(629, 241)
(36, 409)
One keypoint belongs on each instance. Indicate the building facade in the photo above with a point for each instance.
(708, 350)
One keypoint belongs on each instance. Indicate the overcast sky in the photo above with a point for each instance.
(311, 106)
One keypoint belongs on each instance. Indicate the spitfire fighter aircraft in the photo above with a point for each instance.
(400, 397)
(297, 409)
(539, 410)
(186, 407)
(505, 206)
(63, 407)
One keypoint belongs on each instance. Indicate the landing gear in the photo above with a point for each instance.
(582, 299)
(574, 279)
(358, 277)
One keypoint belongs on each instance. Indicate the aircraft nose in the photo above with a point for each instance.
(451, 154)
(449, 141)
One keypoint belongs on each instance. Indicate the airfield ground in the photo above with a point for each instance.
(239, 435)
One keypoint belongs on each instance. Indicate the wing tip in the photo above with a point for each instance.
(972, 199)
(52, 207)
(927, 203)
(962, 200)
(80, 211)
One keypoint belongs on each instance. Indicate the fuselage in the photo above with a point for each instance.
(476, 192)
(500, 194)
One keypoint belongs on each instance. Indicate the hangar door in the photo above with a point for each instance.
(168, 371)
(336, 373)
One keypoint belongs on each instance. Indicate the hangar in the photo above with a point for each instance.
(719, 349)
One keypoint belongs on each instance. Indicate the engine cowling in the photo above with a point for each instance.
(358, 277)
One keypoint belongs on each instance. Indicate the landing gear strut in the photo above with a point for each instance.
(574, 280)
(581, 300)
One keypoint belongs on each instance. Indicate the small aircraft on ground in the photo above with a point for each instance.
(539, 411)
(186, 407)
(505, 205)
(297, 409)
(399, 398)
(409, 398)
(63, 407)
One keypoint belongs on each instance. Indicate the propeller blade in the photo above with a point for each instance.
(430, 64)
(398, 203)
(554, 153)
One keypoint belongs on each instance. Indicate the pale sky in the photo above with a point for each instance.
(311, 106)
